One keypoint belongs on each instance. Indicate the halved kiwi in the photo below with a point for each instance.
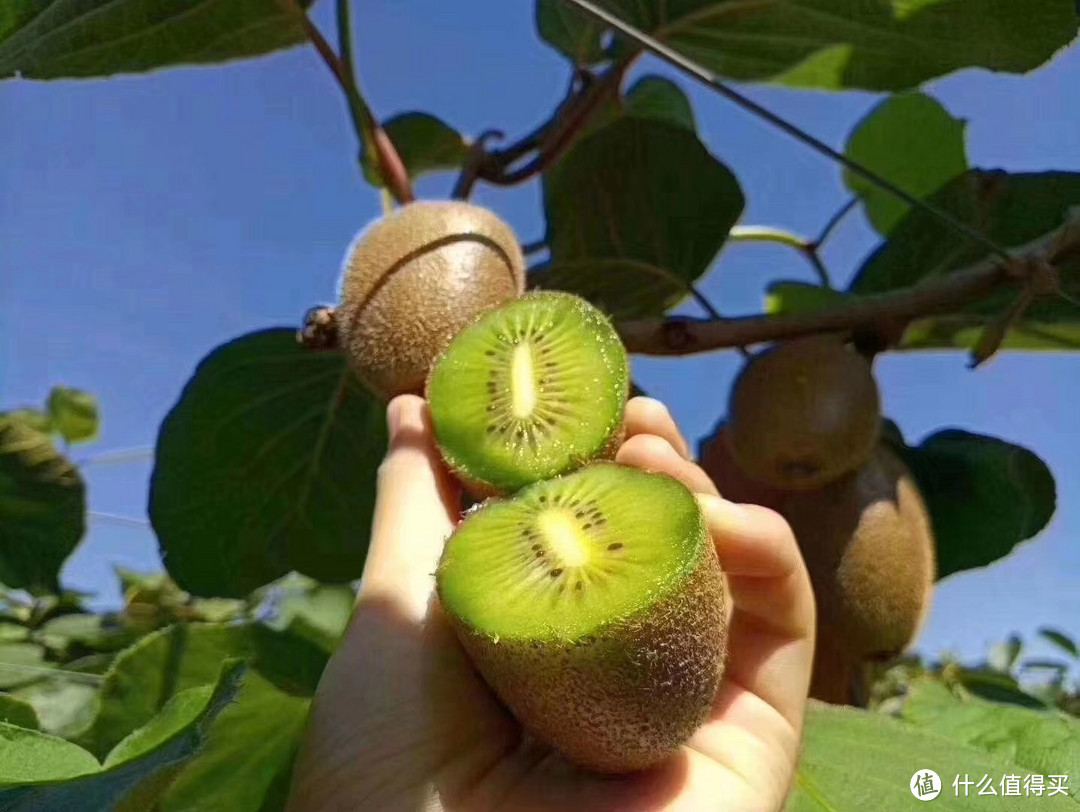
(529, 390)
(593, 604)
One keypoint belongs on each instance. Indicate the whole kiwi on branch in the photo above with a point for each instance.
(412, 279)
(802, 439)
(803, 412)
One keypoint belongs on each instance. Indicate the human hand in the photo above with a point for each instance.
(401, 721)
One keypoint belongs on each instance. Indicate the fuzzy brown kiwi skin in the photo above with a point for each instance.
(734, 485)
(628, 697)
(803, 412)
(413, 279)
(480, 490)
(869, 547)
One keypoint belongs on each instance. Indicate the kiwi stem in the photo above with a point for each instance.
(949, 293)
(782, 236)
(835, 220)
(374, 141)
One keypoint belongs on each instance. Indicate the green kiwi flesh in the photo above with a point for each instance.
(529, 390)
(593, 604)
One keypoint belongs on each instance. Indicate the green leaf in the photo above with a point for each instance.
(250, 745)
(66, 777)
(855, 759)
(94, 632)
(1002, 656)
(1061, 640)
(984, 496)
(888, 45)
(914, 142)
(181, 708)
(34, 419)
(266, 465)
(650, 97)
(42, 508)
(999, 688)
(29, 755)
(425, 144)
(660, 99)
(143, 678)
(50, 39)
(308, 609)
(21, 663)
(64, 705)
(1039, 741)
(16, 712)
(569, 31)
(74, 414)
(636, 212)
(1010, 209)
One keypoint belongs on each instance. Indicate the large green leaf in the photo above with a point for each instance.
(854, 760)
(636, 212)
(249, 747)
(1044, 742)
(914, 142)
(265, 465)
(42, 508)
(50, 39)
(569, 31)
(650, 97)
(885, 45)
(144, 677)
(984, 495)
(43, 773)
(424, 143)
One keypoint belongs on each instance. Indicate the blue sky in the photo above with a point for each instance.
(144, 220)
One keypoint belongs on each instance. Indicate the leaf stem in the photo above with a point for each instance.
(767, 234)
(373, 138)
(834, 221)
(784, 237)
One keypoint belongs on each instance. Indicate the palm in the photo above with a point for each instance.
(402, 721)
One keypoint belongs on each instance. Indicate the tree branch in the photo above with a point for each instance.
(1029, 266)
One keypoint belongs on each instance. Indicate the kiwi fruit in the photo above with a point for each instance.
(593, 605)
(869, 547)
(412, 279)
(734, 485)
(531, 389)
(803, 412)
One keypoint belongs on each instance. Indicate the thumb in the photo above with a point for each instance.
(415, 508)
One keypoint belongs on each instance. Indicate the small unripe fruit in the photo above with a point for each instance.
(802, 413)
(413, 279)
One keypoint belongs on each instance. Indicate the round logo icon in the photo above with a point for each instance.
(925, 785)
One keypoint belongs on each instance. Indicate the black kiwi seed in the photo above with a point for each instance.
(615, 545)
